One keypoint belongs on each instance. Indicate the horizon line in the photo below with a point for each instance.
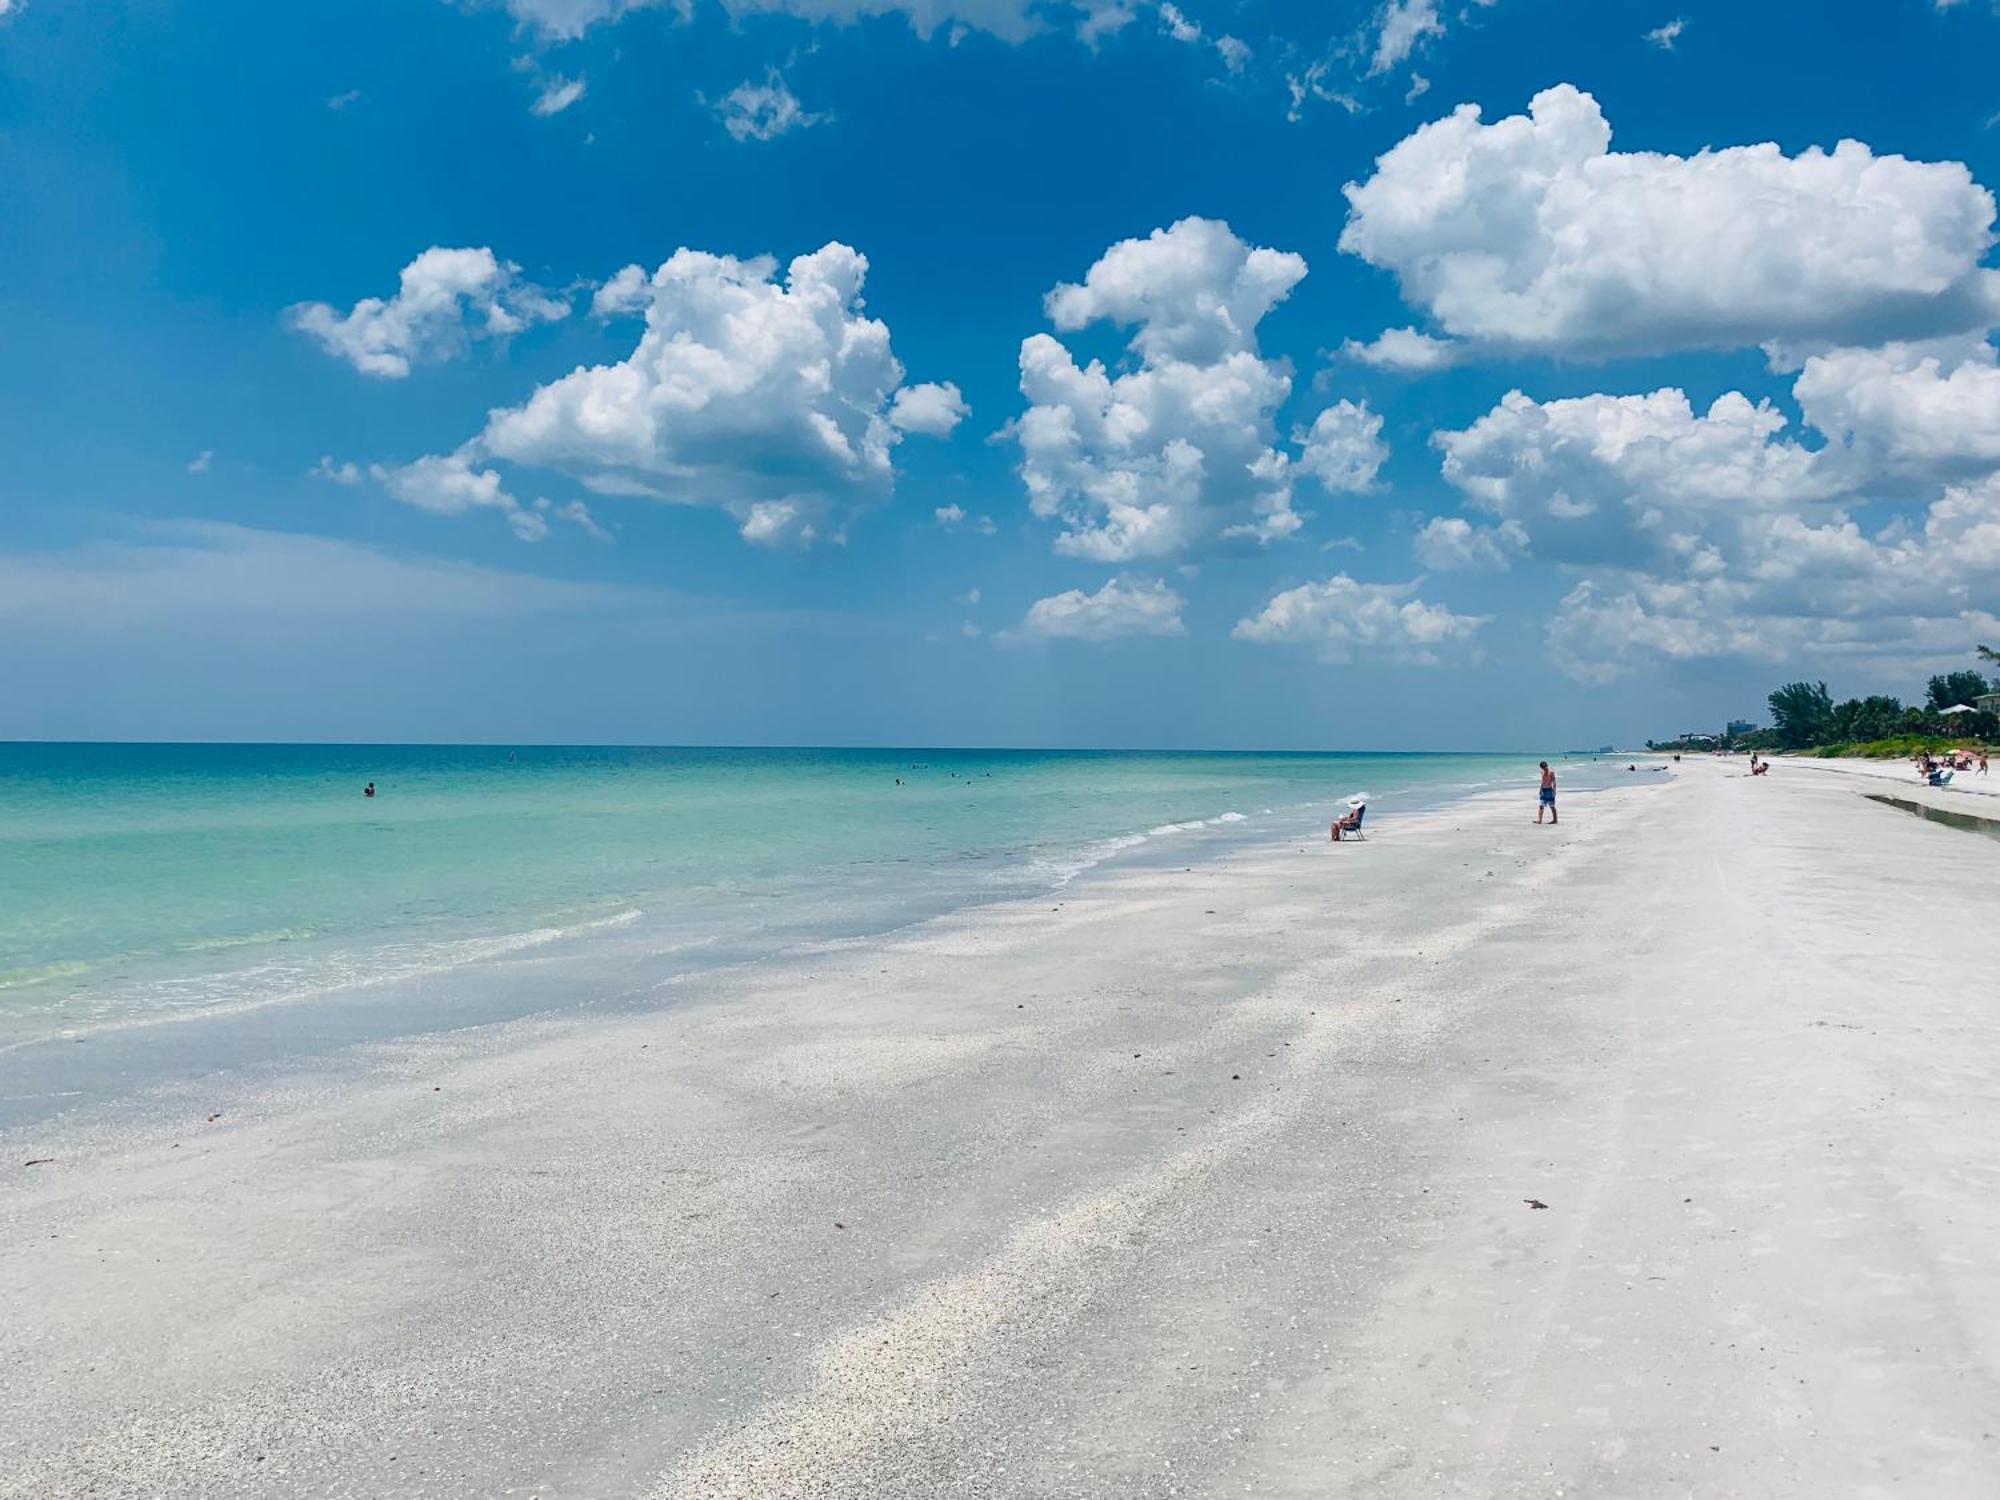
(880, 747)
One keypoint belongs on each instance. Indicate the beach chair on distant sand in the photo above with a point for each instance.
(1349, 826)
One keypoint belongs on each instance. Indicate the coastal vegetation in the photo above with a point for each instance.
(1805, 719)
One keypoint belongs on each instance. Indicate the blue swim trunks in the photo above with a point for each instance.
(1549, 795)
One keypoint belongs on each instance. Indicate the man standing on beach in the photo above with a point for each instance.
(1548, 798)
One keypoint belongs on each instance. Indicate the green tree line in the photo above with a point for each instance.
(1804, 716)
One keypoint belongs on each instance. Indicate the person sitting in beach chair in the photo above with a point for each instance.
(1348, 824)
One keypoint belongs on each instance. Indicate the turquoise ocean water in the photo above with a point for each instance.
(139, 883)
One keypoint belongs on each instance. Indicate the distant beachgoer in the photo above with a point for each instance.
(368, 790)
(1982, 764)
(1547, 802)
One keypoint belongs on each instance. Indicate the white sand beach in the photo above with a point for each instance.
(1962, 784)
(1654, 1154)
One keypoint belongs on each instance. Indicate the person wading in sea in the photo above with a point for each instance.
(1548, 797)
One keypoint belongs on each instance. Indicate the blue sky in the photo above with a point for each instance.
(267, 484)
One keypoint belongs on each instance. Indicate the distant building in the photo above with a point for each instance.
(1740, 726)
(1987, 703)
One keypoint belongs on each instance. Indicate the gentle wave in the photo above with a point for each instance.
(1060, 871)
(233, 990)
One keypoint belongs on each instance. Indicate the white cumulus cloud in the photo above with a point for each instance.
(1701, 535)
(1343, 449)
(768, 397)
(1180, 449)
(1812, 596)
(449, 484)
(1340, 617)
(931, 408)
(444, 299)
(1452, 542)
(1405, 350)
(1531, 234)
(1192, 292)
(1907, 407)
(628, 291)
(1613, 478)
(1122, 607)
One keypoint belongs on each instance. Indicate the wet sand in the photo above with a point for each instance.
(1191, 1183)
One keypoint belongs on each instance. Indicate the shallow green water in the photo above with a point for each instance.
(134, 877)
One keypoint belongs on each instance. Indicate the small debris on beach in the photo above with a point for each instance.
(38, 1161)
(839, 1226)
(214, 1117)
(1534, 1203)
